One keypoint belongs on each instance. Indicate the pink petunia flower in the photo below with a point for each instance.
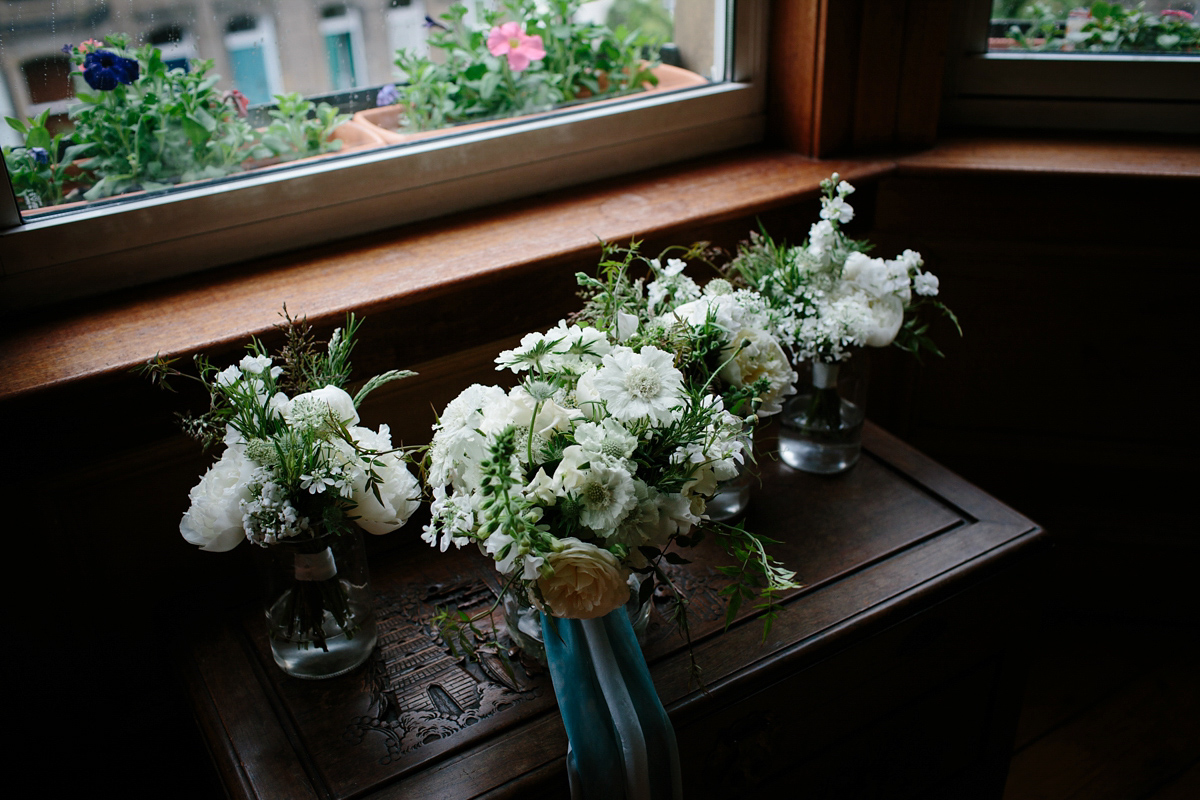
(522, 50)
(1181, 15)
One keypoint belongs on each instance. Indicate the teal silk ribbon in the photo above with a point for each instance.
(622, 745)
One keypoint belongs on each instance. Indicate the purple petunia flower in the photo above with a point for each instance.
(103, 70)
(40, 155)
(430, 22)
(387, 96)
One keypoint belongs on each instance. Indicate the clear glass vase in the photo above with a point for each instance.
(318, 605)
(821, 428)
(733, 495)
(524, 622)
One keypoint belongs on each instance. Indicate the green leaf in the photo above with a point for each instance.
(487, 87)
(204, 119)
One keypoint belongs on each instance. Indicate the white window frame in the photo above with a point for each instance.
(262, 36)
(1017, 89)
(350, 22)
(191, 229)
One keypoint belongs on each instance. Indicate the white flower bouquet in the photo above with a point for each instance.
(590, 468)
(828, 300)
(296, 469)
(829, 297)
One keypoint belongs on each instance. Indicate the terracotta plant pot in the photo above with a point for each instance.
(385, 120)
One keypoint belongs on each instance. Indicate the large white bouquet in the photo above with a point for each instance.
(599, 459)
(829, 297)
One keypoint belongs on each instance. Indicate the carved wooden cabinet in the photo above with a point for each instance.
(895, 671)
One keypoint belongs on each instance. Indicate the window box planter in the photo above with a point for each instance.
(385, 120)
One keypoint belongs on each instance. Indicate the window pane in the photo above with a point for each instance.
(135, 115)
(1153, 27)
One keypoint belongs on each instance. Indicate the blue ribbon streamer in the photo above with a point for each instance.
(622, 745)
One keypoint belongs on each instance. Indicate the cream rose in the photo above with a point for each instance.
(761, 358)
(586, 582)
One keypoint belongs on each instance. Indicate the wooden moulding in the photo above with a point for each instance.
(385, 120)
(354, 137)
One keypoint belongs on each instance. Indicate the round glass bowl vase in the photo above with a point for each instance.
(320, 621)
(525, 625)
(820, 428)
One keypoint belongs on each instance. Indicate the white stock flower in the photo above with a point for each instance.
(836, 208)
(541, 489)
(821, 237)
(585, 583)
(641, 385)
(762, 357)
(214, 520)
(925, 284)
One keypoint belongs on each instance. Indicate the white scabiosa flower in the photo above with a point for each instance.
(605, 496)
(607, 440)
(643, 385)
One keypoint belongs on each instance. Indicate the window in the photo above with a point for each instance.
(254, 57)
(997, 81)
(128, 239)
(341, 27)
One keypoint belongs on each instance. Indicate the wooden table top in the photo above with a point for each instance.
(894, 534)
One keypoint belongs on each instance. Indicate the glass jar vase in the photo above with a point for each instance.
(524, 622)
(821, 428)
(320, 621)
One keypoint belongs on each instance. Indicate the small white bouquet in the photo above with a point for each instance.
(297, 472)
(829, 297)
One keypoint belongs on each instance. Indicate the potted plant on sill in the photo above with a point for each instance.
(143, 126)
(525, 59)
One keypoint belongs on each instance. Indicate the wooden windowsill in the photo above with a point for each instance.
(398, 268)
(417, 263)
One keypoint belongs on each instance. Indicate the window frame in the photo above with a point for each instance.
(135, 241)
(1110, 92)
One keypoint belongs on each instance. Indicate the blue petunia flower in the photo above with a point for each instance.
(40, 155)
(103, 70)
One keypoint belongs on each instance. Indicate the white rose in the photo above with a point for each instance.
(214, 520)
(761, 358)
(886, 316)
(586, 582)
(399, 492)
